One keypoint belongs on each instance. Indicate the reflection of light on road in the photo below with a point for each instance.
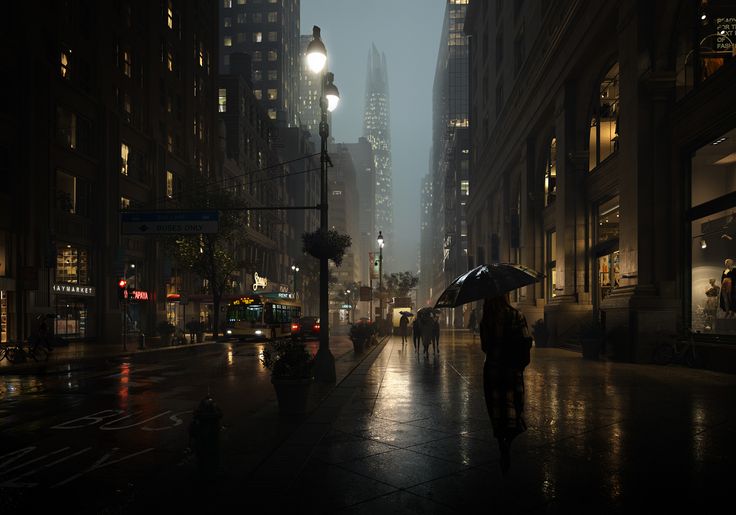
(699, 421)
(124, 380)
(230, 355)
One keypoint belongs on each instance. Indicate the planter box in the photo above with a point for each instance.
(292, 394)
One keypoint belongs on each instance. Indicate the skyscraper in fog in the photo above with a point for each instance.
(269, 33)
(376, 128)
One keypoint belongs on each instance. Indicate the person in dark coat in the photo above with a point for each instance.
(416, 334)
(426, 327)
(503, 384)
(473, 322)
(436, 333)
(404, 328)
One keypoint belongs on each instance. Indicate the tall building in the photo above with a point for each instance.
(365, 172)
(377, 130)
(450, 159)
(268, 31)
(603, 156)
(426, 255)
(115, 110)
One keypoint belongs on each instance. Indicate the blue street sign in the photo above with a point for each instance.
(169, 222)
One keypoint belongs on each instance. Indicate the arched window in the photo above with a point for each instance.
(604, 122)
(550, 174)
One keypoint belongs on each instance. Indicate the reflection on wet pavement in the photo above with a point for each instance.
(600, 434)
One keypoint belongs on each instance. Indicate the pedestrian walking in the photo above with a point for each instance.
(473, 322)
(436, 333)
(404, 328)
(416, 333)
(426, 329)
(502, 339)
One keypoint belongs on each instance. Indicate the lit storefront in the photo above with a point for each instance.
(713, 237)
(72, 293)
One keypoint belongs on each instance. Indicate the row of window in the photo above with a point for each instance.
(271, 17)
(228, 4)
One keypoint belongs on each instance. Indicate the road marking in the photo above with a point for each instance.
(102, 463)
(12, 483)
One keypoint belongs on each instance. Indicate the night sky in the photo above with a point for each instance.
(408, 32)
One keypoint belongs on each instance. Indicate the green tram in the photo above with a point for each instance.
(263, 316)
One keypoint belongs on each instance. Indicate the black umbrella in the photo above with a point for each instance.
(407, 313)
(486, 281)
(425, 312)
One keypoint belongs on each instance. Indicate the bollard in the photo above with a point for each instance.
(204, 432)
(142, 341)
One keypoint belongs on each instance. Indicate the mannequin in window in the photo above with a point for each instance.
(711, 303)
(728, 295)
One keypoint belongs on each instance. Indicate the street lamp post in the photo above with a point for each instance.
(294, 269)
(380, 272)
(324, 369)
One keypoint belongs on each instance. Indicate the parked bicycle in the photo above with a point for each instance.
(678, 350)
(11, 351)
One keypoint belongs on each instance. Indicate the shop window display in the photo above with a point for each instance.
(713, 245)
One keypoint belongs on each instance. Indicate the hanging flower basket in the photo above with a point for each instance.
(328, 244)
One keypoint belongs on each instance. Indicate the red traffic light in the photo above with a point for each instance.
(122, 283)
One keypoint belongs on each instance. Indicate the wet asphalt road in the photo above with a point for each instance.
(95, 439)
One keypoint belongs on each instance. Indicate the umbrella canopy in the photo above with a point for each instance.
(407, 313)
(486, 281)
(425, 312)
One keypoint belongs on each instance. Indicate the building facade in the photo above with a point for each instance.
(377, 130)
(112, 114)
(450, 159)
(268, 31)
(602, 155)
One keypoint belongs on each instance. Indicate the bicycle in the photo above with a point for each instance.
(13, 352)
(679, 350)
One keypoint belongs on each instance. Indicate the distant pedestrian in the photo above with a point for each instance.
(436, 333)
(473, 322)
(426, 328)
(501, 328)
(404, 328)
(416, 333)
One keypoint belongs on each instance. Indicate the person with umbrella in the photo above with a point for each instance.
(426, 328)
(416, 333)
(504, 342)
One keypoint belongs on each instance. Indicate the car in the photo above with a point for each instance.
(305, 327)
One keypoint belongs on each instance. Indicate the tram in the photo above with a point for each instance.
(263, 316)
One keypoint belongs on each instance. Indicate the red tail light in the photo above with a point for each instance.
(294, 327)
(316, 327)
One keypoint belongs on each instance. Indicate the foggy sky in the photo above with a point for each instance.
(408, 32)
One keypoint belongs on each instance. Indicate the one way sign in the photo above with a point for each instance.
(169, 222)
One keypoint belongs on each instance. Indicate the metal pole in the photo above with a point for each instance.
(324, 367)
(380, 279)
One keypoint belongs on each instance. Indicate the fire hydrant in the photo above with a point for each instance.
(204, 432)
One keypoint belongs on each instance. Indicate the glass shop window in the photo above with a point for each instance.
(713, 235)
(604, 122)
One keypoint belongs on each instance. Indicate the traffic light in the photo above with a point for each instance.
(122, 291)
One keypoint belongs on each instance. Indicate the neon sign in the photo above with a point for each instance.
(259, 282)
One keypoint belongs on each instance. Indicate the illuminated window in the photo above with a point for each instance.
(550, 174)
(272, 114)
(169, 184)
(170, 16)
(72, 194)
(604, 123)
(64, 61)
(272, 55)
(124, 203)
(257, 75)
(227, 21)
(242, 2)
(227, 4)
(72, 265)
(127, 64)
(222, 100)
(258, 93)
(66, 127)
(273, 17)
(465, 188)
(170, 61)
(227, 41)
(551, 258)
(124, 156)
(273, 94)
(257, 37)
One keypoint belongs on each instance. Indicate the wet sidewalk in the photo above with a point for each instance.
(405, 433)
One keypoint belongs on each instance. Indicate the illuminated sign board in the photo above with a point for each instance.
(259, 282)
(73, 289)
(246, 301)
(135, 295)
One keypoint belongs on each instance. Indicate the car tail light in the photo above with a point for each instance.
(294, 327)
(316, 327)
